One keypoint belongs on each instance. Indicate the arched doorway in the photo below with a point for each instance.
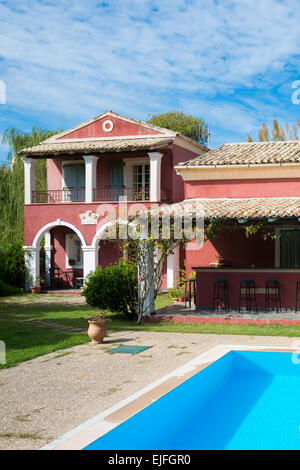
(64, 247)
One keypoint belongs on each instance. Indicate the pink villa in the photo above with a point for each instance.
(98, 161)
(88, 167)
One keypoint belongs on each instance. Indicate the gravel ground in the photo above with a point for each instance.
(42, 399)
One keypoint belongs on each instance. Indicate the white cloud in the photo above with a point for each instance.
(72, 60)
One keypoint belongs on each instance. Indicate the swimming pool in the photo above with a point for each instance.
(244, 400)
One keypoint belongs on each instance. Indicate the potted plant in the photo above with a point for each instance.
(43, 283)
(173, 294)
(178, 295)
(219, 263)
(97, 327)
(181, 293)
(72, 262)
(36, 289)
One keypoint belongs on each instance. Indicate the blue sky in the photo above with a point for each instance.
(230, 62)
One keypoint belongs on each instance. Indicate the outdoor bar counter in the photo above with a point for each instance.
(205, 277)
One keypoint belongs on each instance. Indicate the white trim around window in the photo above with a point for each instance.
(70, 241)
(128, 171)
(69, 162)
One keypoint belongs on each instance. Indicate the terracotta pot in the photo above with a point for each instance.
(181, 299)
(97, 331)
(35, 289)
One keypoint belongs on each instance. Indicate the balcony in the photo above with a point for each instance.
(145, 179)
(108, 194)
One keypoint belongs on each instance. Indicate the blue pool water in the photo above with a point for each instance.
(245, 400)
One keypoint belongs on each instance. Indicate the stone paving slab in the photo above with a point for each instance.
(179, 309)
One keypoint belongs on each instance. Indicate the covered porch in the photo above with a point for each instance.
(256, 240)
(246, 239)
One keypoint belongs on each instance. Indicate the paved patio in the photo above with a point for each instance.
(179, 313)
(50, 395)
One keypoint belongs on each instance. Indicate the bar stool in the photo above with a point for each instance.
(272, 293)
(221, 294)
(297, 294)
(190, 291)
(247, 294)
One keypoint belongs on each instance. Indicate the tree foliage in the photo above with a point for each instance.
(12, 180)
(278, 133)
(189, 126)
(113, 288)
(12, 264)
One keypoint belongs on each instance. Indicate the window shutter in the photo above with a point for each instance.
(116, 174)
(70, 176)
(80, 176)
(116, 180)
(290, 249)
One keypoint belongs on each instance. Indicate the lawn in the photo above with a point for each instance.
(24, 341)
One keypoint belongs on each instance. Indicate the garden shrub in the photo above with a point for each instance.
(6, 290)
(12, 264)
(113, 288)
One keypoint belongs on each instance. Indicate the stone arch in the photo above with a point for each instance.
(32, 253)
(100, 232)
(56, 223)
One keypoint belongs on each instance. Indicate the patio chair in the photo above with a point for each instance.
(56, 280)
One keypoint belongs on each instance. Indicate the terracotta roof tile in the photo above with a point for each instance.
(97, 146)
(249, 153)
(231, 208)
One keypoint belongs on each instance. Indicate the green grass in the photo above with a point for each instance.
(25, 341)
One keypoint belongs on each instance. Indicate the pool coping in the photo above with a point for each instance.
(94, 428)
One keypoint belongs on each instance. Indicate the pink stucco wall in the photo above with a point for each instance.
(205, 286)
(179, 155)
(279, 187)
(236, 249)
(121, 128)
(109, 253)
(36, 216)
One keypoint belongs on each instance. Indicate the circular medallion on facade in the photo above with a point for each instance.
(108, 125)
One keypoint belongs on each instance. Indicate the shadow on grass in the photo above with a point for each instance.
(24, 342)
(75, 315)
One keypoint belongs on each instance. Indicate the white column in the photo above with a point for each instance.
(29, 179)
(173, 269)
(90, 262)
(48, 247)
(90, 176)
(155, 176)
(32, 264)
